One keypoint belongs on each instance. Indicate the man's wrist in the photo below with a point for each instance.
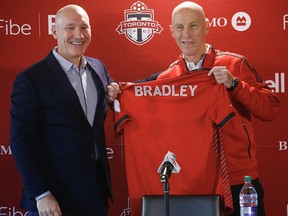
(234, 84)
(42, 195)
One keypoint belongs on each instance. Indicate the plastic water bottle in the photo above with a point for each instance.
(248, 198)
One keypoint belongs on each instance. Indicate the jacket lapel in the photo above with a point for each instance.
(62, 86)
(100, 92)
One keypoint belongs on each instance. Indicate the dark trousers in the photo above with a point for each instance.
(235, 189)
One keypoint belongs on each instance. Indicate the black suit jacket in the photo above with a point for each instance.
(52, 141)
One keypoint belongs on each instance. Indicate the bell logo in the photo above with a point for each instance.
(241, 21)
(277, 86)
(51, 22)
(282, 145)
(285, 23)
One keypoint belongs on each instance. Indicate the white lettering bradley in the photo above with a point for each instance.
(165, 90)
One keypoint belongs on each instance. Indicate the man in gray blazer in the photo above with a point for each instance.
(57, 125)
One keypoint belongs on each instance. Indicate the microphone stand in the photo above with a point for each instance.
(165, 169)
(166, 189)
(166, 197)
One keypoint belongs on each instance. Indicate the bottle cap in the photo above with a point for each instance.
(247, 178)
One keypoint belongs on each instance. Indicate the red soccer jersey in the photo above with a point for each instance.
(181, 115)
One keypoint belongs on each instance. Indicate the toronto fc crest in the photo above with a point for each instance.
(139, 25)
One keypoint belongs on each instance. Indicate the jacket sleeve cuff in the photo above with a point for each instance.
(42, 195)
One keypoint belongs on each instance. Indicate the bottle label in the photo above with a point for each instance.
(248, 211)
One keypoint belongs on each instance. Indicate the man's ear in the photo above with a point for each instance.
(54, 32)
(171, 30)
(207, 26)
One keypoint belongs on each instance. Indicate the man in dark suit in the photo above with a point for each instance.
(57, 125)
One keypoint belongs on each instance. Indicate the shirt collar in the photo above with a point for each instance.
(191, 66)
(67, 65)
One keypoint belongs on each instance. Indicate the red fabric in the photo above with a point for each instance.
(258, 100)
(253, 93)
(155, 124)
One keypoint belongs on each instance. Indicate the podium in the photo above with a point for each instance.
(180, 205)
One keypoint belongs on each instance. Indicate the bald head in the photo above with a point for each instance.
(195, 8)
(69, 10)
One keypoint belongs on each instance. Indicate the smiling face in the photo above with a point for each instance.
(189, 28)
(72, 32)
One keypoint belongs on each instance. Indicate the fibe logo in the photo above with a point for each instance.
(277, 86)
(8, 211)
(11, 28)
(110, 153)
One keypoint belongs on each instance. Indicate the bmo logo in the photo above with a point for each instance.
(5, 151)
(241, 21)
(10, 27)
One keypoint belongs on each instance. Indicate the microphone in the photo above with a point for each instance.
(168, 166)
(166, 171)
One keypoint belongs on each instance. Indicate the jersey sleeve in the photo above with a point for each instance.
(120, 115)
